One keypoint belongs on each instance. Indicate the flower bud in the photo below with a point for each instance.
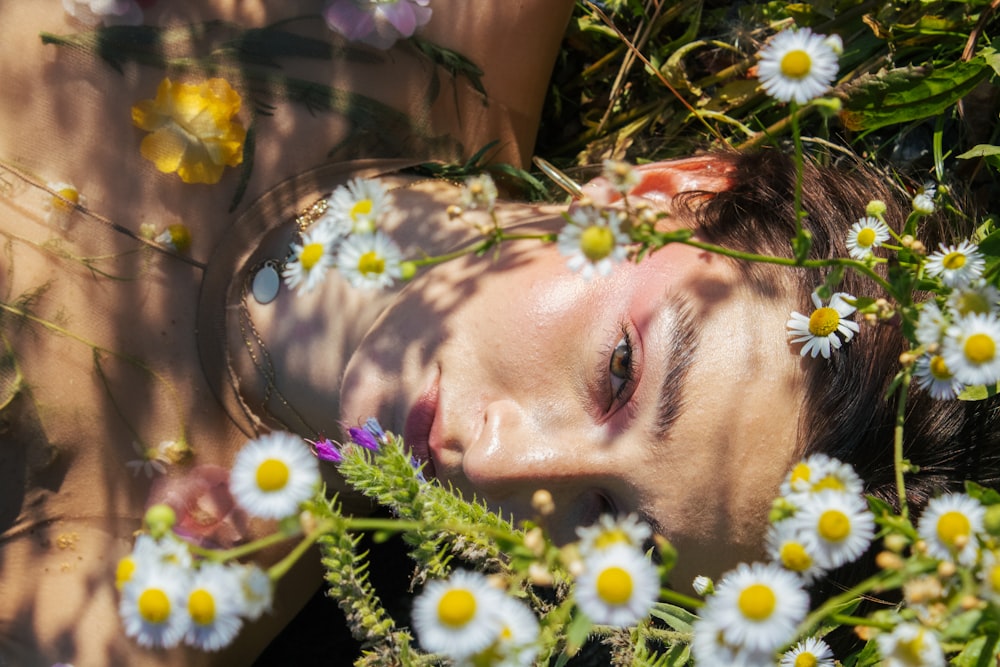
(160, 519)
(876, 208)
(991, 522)
(542, 502)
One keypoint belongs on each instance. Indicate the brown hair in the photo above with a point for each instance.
(847, 413)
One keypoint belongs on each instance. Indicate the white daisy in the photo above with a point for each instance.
(310, 258)
(819, 331)
(949, 525)
(622, 176)
(786, 546)
(214, 604)
(609, 531)
(970, 349)
(168, 551)
(957, 265)
(977, 297)
(932, 324)
(989, 576)
(152, 606)
(618, 586)
(710, 647)
(809, 652)
(910, 645)
(273, 474)
(932, 374)
(257, 589)
(517, 644)
(593, 241)
(457, 617)
(370, 260)
(479, 192)
(837, 527)
(819, 472)
(756, 607)
(865, 235)
(797, 65)
(357, 208)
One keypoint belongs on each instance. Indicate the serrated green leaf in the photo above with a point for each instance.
(677, 618)
(908, 94)
(981, 493)
(990, 246)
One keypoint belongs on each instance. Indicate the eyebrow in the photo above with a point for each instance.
(679, 357)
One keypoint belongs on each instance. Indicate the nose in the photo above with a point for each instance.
(522, 449)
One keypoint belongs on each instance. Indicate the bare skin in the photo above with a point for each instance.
(103, 362)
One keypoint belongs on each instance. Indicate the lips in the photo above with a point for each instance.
(417, 429)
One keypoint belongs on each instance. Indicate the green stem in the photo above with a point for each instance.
(844, 619)
(278, 570)
(832, 604)
(679, 599)
(799, 167)
(240, 551)
(498, 237)
(861, 267)
(897, 449)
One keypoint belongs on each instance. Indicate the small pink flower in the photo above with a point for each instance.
(207, 514)
(379, 23)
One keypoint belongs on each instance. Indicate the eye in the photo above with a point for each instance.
(621, 368)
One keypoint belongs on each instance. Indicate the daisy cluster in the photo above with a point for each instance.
(822, 522)
(169, 595)
(347, 237)
(471, 621)
(958, 331)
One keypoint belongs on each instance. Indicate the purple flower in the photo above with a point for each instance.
(364, 438)
(325, 450)
(376, 22)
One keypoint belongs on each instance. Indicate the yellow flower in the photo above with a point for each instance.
(193, 129)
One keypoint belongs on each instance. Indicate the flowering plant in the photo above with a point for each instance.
(496, 593)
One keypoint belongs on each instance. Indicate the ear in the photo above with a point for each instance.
(660, 182)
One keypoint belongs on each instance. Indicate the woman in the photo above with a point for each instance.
(640, 391)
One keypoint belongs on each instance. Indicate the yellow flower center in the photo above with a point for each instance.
(310, 255)
(794, 557)
(456, 607)
(938, 368)
(980, 348)
(757, 602)
(994, 578)
(953, 260)
(614, 585)
(909, 651)
(833, 525)
(608, 538)
(830, 482)
(866, 237)
(597, 242)
(805, 660)
(796, 64)
(972, 302)
(201, 606)
(154, 606)
(953, 529)
(370, 262)
(362, 208)
(272, 475)
(824, 321)
(69, 195)
(801, 473)
(180, 236)
(124, 571)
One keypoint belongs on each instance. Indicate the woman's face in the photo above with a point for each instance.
(666, 389)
